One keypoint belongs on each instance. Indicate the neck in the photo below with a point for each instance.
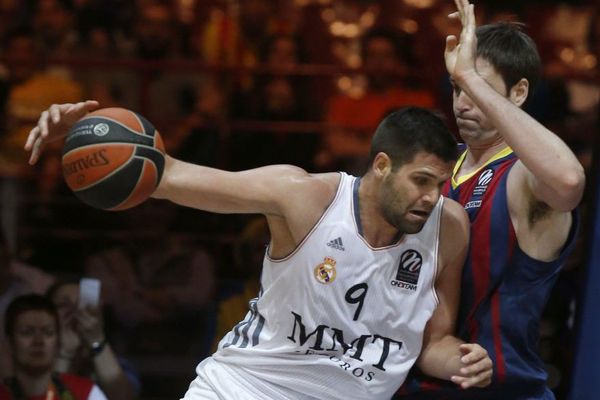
(480, 152)
(375, 229)
(34, 384)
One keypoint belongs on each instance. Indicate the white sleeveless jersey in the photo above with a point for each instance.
(337, 319)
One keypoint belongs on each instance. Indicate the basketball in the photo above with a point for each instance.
(113, 159)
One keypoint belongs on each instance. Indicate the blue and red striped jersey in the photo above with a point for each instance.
(503, 292)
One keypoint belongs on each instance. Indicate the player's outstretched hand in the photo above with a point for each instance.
(477, 367)
(55, 123)
(460, 52)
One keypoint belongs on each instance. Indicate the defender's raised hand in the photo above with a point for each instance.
(460, 54)
(54, 123)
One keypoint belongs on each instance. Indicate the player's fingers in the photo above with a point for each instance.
(483, 379)
(451, 42)
(36, 150)
(31, 138)
(43, 123)
(81, 109)
(466, 349)
(54, 112)
(463, 381)
(479, 380)
(470, 18)
(464, 5)
(91, 105)
(472, 353)
(459, 7)
(476, 367)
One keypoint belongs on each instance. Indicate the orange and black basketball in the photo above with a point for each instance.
(113, 159)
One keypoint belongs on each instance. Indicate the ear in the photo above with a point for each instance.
(519, 92)
(382, 165)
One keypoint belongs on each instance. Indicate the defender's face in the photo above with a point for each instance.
(409, 194)
(35, 341)
(472, 123)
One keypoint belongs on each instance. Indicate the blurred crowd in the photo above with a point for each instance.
(237, 84)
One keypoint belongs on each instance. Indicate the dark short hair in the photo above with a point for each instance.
(22, 304)
(410, 130)
(511, 52)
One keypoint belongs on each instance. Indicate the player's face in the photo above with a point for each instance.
(472, 123)
(35, 341)
(409, 194)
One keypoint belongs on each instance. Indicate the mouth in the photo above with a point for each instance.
(465, 120)
(420, 214)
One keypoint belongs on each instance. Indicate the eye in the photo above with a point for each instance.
(455, 88)
(421, 180)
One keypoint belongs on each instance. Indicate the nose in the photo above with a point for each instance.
(462, 102)
(430, 197)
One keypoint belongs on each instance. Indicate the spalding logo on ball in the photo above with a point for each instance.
(113, 159)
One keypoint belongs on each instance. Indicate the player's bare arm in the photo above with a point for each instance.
(547, 169)
(292, 199)
(443, 355)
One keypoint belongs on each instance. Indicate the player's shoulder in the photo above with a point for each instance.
(295, 175)
(298, 185)
(455, 221)
(454, 235)
(454, 212)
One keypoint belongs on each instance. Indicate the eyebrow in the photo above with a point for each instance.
(426, 173)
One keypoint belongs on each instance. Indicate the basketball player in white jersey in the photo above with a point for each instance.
(360, 279)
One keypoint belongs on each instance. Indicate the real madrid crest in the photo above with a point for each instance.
(325, 272)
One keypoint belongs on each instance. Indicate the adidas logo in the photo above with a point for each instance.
(336, 244)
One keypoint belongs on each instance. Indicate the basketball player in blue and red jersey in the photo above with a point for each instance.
(519, 184)
(361, 277)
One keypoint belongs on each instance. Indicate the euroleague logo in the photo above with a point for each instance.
(101, 129)
(486, 177)
(409, 269)
(483, 181)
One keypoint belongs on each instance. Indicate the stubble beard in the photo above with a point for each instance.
(392, 209)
